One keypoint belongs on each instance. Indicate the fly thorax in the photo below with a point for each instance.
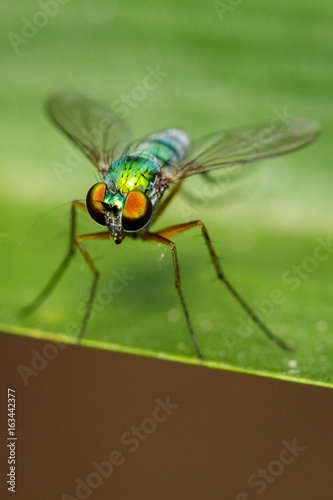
(137, 171)
(134, 185)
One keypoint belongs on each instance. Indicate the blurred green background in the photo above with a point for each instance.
(218, 65)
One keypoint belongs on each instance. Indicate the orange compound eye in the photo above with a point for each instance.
(94, 202)
(137, 211)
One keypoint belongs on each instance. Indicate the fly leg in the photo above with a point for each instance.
(162, 239)
(169, 232)
(75, 241)
(78, 241)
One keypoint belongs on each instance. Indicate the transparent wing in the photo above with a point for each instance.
(92, 126)
(245, 145)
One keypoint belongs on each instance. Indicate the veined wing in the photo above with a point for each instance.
(245, 145)
(92, 126)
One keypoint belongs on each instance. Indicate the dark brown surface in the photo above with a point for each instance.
(226, 427)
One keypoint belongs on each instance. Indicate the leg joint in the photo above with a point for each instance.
(71, 251)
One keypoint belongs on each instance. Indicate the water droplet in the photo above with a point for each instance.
(206, 325)
(293, 363)
(321, 325)
(173, 315)
(294, 367)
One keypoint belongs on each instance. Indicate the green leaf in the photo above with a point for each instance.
(268, 225)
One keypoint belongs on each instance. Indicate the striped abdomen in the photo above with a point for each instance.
(168, 147)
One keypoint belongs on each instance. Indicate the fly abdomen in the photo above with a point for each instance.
(168, 147)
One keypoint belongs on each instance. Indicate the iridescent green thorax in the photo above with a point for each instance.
(143, 169)
(138, 171)
(135, 171)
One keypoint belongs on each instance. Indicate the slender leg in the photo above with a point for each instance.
(171, 231)
(30, 308)
(160, 239)
(78, 240)
(75, 241)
